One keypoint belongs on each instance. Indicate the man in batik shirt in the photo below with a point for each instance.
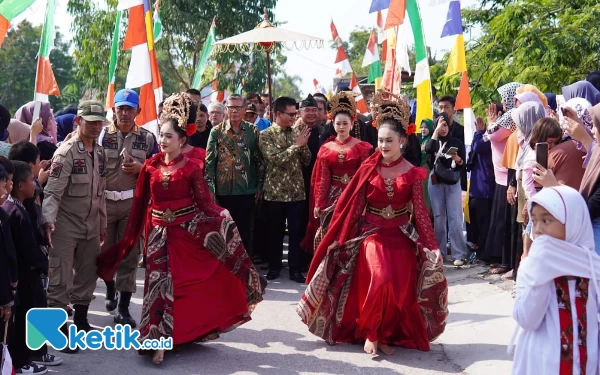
(285, 151)
(235, 167)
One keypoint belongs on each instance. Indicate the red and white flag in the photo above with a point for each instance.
(342, 56)
(361, 104)
(6, 367)
(143, 70)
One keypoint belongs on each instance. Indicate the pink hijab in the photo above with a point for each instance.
(25, 114)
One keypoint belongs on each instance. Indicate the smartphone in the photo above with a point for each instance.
(125, 156)
(452, 151)
(541, 154)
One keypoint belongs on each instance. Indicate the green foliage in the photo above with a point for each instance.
(185, 26)
(285, 85)
(546, 43)
(18, 58)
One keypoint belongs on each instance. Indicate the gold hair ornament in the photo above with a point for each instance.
(396, 108)
(343, 102)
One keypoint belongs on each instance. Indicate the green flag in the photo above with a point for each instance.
(114, 55)
(9, 9)
(208, 47)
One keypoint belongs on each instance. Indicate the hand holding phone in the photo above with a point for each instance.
(125, 156)
(452, 151)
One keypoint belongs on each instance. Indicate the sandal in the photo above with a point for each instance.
(499, 270)
(508, 276)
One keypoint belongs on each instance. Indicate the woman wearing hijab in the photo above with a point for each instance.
(556, 306)
(551, 100)
(426, 133)
(49, 131)
(582, 89)
(500, 127)
(590, 187)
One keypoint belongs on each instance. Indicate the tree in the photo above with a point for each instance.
(18, 58)
(185, 26)
(549, 44)
(285, 85)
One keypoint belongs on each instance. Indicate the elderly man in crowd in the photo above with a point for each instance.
(216, 113)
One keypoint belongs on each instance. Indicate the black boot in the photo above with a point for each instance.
(80, 318)
(65, 330)
(112, 298)
(123, 317)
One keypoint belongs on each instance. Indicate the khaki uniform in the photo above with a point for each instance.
(120, 189)
(74, 202)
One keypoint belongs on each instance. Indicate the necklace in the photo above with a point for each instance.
(166, 175)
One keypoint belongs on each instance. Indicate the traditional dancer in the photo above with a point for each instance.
(337, 162)
(373, 278)
(199, 279)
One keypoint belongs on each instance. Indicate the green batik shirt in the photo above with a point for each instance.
(234, 163)
(284, 160)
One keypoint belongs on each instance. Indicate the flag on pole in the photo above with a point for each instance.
(361, 104)
(112, 67)
(392, 74)
(6, 367)
(371, 60)
(9, 9)
(379, 5)
(396, 12)
(319, 87)
(211, 38)
(422, 79)
(382, 36)
(158, 28)
(457, 63)
(143, 70)
(341, 56)
(45, 83)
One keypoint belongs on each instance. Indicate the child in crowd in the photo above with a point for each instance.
(32, 259)
(8, 261)
(556, 306)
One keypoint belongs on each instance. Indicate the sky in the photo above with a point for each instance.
(312, 17)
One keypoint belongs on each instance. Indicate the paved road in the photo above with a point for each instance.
(275, 342)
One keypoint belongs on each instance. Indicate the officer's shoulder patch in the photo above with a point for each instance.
(56, 169)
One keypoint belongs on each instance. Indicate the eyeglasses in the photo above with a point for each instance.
(291, 114)
(235, 107)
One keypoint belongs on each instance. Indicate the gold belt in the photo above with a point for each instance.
(387, 212)
(169, 216)
(345, 179)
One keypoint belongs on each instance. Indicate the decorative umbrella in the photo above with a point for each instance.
(263, 37)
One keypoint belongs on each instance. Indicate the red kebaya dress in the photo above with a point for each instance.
(199, 279)
(335, 166)
(196, 153)
(379, 283)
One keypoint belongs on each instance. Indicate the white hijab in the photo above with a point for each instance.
(550, 258)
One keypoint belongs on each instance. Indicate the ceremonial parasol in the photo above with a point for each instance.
(263, 37)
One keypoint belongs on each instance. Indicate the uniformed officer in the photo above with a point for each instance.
(74, 214)
(127, 146)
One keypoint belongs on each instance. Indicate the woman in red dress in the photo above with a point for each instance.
(337, 162)
(375, 278)
(199, 279)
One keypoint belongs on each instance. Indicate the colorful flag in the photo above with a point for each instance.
(319, 87)
(392, 74)
(422, 79)
(457, 63)
(379, 5)
(396, 12)
(112, 67)
(158, 28)
(211, 38)
(361, 104)
(45, 83)
(382, 36)
(143, 70)
(371, 60)
(9, 9)
(341, 56)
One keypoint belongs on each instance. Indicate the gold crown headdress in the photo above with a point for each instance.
(343, 102)
(389, 106)
(178, 107)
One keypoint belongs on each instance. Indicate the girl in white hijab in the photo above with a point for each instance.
(556, 306)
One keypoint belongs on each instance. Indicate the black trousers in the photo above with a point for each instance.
(30, 294)
(241, 208)
(277, 214)
(480, 212)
